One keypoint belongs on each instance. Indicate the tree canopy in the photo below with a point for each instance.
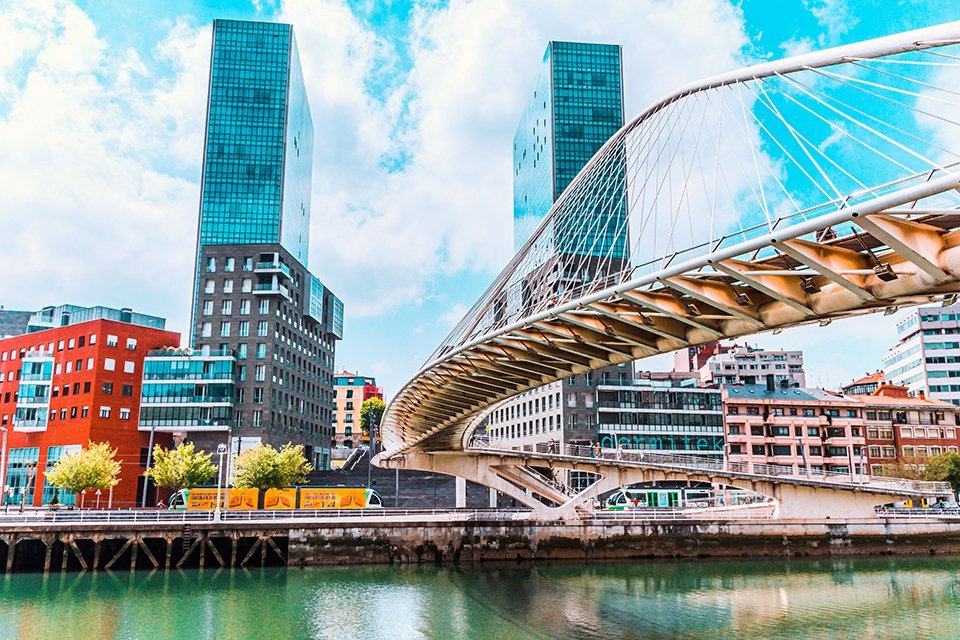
(181, 468)
(95, 467)
(264, 467)
(945, 468)
(371, 412)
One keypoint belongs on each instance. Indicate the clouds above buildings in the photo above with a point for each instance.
(101, 142)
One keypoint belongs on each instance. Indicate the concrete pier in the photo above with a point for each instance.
(57, 547)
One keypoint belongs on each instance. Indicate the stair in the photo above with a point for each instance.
(418, 489)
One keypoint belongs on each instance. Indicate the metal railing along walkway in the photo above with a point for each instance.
(92, 517)
(680, 462)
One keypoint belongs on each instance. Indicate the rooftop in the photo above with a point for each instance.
(792, 394)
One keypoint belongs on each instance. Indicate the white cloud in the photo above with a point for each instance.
(95, 216)
(100, 160)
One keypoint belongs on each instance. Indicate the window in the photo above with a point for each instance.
(112, 341)
(260, 373)
(132, 344)
(104, 412)
(244, 329)
(107, 388)
(246, 285)
(109, 364)
(262, 328)
(258, 395)
(257, 418)
(906, 432)
(93, 339)
(229, 265)
(242, 350)
(228, 286)
(244, 307)
(224, 329)
(261, 350)
(211, 265)
(206, 330)
(129, 366)
(124, 414)
(126, 390)
(756, 430)
(209, 286)
(227, 307)
(208, 307)
(264, 307)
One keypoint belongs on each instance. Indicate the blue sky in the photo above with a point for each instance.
(415, 104)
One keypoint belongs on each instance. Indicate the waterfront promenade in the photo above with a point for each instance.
(79, 541)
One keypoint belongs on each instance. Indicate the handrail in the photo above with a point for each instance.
(703, 463)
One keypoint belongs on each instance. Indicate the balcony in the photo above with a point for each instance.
(187, 426)
(201, 400)
(272, 267)
(272, 289)
(33, 401)
(30, 426)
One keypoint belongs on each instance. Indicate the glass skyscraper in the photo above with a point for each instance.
(258, 157)
(254, 296)
(576, 105)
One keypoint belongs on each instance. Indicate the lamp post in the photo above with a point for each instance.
(31, 474)
(370, 452)
(221, 449)
(3, 463)
(146, 478)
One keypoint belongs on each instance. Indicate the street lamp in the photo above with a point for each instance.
(3, 463)
(146, 478)
(31, 473)
(221, 449)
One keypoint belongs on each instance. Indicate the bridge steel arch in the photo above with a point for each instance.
(885, 247)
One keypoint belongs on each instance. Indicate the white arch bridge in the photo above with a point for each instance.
(800, 191)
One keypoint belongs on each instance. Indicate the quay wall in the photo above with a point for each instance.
(168, 545)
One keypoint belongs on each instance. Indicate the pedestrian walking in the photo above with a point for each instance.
(619, 452)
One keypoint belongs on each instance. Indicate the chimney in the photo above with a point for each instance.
(771, 384)
(921, 395)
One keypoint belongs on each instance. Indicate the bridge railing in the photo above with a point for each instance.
(146, 517)
(703, 463)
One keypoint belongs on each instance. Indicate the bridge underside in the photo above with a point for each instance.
(534, 482)
(894, 254)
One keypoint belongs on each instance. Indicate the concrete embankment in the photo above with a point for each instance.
(69, 547)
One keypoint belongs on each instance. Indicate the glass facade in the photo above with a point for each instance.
(258, 155)
(53, 456)
(187, 393)
(575, 107)
(18, 474)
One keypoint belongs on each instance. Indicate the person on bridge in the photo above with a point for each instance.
(597, 451)
(619, 452)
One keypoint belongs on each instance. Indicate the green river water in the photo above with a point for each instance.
(862, 599)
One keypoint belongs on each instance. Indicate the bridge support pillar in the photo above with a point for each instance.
(493, 498)
(461, 487)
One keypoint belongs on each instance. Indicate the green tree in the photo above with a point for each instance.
(95, 467)
(264, 467)
(181, 468)
(910, 469)
(371, 412)
(944, 468)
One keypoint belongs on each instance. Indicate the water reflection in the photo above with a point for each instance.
(915, 598)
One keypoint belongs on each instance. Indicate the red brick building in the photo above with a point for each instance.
(65, 386)
(903, 430)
